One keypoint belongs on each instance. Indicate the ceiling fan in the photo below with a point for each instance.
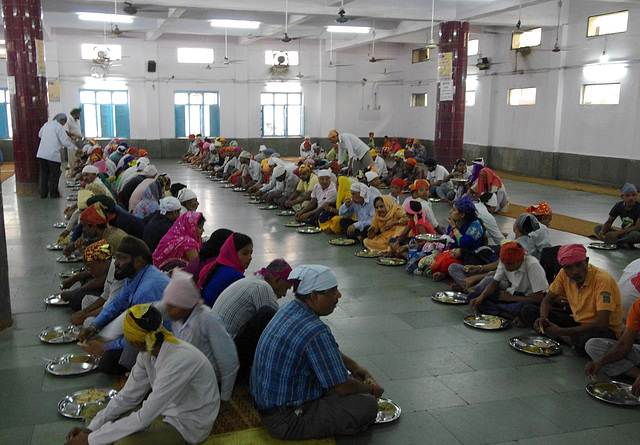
(373, 58)
(131, 9)
(331, 64)
(342, 15)
(385, 72)
(286, 38)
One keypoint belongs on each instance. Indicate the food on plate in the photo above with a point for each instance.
(91, 396)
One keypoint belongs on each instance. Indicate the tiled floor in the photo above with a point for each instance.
(454, 384)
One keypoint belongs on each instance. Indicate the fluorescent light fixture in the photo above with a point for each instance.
(349, 29)
(283, 87)
(239, 24)
(2, 42)
(103, 84)
(604, 57)
(97, 17)
(604, 73)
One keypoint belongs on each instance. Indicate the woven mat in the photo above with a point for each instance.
(259, 436)
(559, 222)
(6, 171)
(239, 415)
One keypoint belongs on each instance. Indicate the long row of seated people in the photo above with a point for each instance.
(151, 288)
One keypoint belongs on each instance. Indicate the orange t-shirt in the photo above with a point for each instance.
(599, 292)
(633, 317)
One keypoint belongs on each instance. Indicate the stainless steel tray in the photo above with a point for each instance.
(55, 300)
(617, 393)
(269, 207)
(450, 297)
(72, 364)
(69, 406)
(343, 242)
(286, 213)
(429, 237)
(70, 273)
(535, 345)
(487, 322)
(309, 230)
(388, 411)
(69, 259)
(60, 334)
(603, 246)
(55, 247)
(60, 225)
(387, 261)
(366, 253)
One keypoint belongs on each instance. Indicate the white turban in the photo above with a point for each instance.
(169, 204)
(278, 171)
(150, 171)
(370, 176)
(186, 195)
(90, 169)
(313, 277)
(323, 173)
(142, 163)
(263, 147)
(274, 161)
(362, 189)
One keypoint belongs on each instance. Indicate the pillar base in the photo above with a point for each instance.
(4, 324)
(26, 188)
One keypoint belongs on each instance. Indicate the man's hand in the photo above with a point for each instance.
(68, 282)
(86, 334)
(506, 296)
(635, 389)
(591, 369)
(351, 229)
(474, 303)
(600, 236)
(78, 318)
(348, 202)
(78, 436)
(94, 347)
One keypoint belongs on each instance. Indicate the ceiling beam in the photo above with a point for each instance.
(405, 27)
(165, 24)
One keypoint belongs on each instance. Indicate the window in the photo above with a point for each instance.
(3, 49)
(472, 49)
(419, 99)
(282, 114)
(599, 25)
(197, 112)
(195, 55)
(601, 94)
(522, 96)
(470, 93)
(97, 51)
(420, 55)
(274, 58)
(105, 114)
(532, 37)
(6, 131)
(470, 98)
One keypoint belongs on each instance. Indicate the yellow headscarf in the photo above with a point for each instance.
(305, 167)
(135, 334)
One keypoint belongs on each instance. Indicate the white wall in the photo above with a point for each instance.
(334, 98)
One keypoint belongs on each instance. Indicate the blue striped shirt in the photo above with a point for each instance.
(297, 359)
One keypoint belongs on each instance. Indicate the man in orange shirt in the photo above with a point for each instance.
(593, 296)
(618, 358)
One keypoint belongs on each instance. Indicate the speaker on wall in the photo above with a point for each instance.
(151, 66)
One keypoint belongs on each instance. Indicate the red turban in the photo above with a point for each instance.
(419, 183)
(571, 254)
(412, 161)
(511, 252)
(95, 214)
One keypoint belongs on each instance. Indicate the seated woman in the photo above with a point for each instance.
(417, 224)
(151, 196)
(488, 181)
(228, 267)
(181, 243)
(464, 226)
(208, 253)
(388, 222)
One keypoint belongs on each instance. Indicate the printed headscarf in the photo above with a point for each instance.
(134, 333)
(542, 208)
(100, 250)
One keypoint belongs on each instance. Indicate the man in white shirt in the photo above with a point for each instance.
(52, 138)
(435, 175)
(74, 131)
(359, 152)
(177, 380)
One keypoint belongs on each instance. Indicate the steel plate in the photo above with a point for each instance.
(535, 345)
(60, 334)
(72, 364)
(55, 247)
(617, 393)
(286, 213)
(69, 259)
(69, 406)
(450, 297)
(387, 261)
(603, 246)
(309, 230)
(343, 242)
(60, 225)
(269, 207)
(487, 322)
(428, 237)
(388, 411)
(55, 300)
(366, 253)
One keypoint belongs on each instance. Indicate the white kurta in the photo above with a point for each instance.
(184, 390)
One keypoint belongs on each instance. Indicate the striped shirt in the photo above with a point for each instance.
(239, 302)
(297, 359)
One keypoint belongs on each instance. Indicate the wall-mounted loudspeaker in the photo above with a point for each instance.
(151, 66)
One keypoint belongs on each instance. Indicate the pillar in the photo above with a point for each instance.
(5, 296)
(26, 79)
(452, 73)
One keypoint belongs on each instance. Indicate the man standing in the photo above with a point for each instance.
(359, 152)
(593, 296)
(300, 380)
(247, 306)
(145, 284)
(74, 131)
(52, 138)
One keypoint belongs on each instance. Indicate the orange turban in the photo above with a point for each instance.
(511, 252)
(542, 208)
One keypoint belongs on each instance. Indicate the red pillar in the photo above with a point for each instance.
(452, 73)
(27, 83)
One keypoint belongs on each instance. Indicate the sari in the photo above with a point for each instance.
(395, 214)
(150, 201)
(229, 270)
(181, 237)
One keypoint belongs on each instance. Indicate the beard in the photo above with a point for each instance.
(127, 271)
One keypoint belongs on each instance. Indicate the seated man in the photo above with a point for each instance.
(359, 205)
(436, 175)
(300, 380)
(373, 181)
(323, 191)
(95, 226)
(195, 323)
(302, 194)
(593, 296)
(412, 172)
(145, 284)
(284, 185)
(246, 307)
(527, 285)
(97, 259)
(628, 210)
(174, 380)
(188, 200)
(618, 358)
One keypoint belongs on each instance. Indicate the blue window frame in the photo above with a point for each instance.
(105, 113)
(197, 112)
(6, 131)
(282, 114)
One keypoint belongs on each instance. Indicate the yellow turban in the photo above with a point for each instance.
(134, 333)
(306, 167)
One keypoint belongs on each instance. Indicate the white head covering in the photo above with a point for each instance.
(323, 173)
(169, 204)
(186, 195)
(314, 146)
(181, 291)
(90, 169)
(370, 176)
(362, 189)
(278, 171)
(233, 143)
(313, 277)
(150, 171)
(274, 161)
(142, 163)
(87, 148)
(263, 147)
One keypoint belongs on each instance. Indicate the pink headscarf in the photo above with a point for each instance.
(396, 145)
(102, 166)
(571, 254)
(228, 257)
(492, 179)
(182, 236)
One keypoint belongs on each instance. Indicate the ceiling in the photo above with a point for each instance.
(401, 21)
